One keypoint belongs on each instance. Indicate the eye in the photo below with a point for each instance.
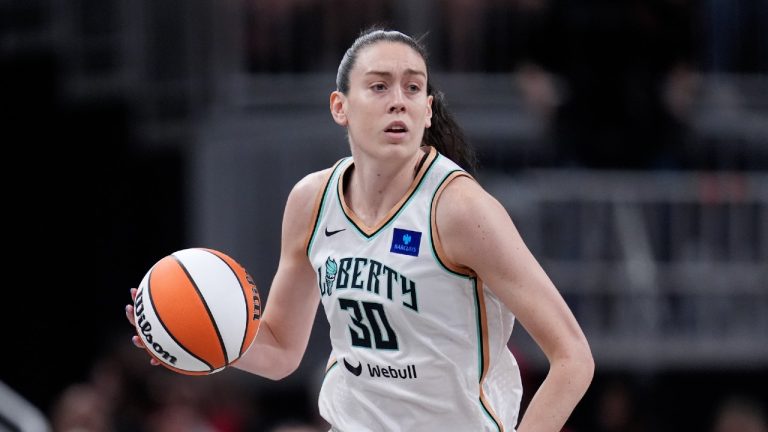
(414, 88)
(378, 87)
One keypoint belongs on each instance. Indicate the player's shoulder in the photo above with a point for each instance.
(305, 193)
(468, 220)
(311, 184)
(463, 188)
(462, 200)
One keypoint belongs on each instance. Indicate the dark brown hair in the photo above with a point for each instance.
(445, 134)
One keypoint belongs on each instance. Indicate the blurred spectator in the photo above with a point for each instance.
(343, 20)
(179, 402)
(178, 417)
(513, 32)
(616, 61)
(540, 90)
(617, 409)
(123, 393)
(281, 35)
(463, 28)
(307, 35)
(81, 408)
(486, 35)
(740, 415)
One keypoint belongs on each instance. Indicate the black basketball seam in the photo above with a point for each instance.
(151, 300)
(208, 310)
(245, 298)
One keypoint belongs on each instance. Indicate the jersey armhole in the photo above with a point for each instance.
(437, 245)
(318, 206)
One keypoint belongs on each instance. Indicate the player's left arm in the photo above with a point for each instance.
(477, 232)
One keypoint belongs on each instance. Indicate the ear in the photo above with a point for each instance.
(338, 108)
(428, 119)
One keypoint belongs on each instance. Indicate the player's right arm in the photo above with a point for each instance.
(293, 298)
(291, 306)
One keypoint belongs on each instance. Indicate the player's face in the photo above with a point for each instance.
(387, 107)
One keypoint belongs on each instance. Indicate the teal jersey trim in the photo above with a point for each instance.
(321, 207)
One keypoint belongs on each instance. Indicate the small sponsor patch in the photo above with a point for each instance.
(406, 242)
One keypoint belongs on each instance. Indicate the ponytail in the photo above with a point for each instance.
(446, 135)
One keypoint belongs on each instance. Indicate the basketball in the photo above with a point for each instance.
(197, 311)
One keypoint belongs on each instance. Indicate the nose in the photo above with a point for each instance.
(397, 104)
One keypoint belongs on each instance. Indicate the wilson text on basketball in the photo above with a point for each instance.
(146, 329)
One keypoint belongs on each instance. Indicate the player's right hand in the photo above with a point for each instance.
(135, 338)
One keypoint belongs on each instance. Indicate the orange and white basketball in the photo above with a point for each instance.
(197, 311)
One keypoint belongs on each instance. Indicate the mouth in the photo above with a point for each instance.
(396, 128)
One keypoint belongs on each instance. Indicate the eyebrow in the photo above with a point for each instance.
(389, 74)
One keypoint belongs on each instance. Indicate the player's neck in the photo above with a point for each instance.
(373, 188)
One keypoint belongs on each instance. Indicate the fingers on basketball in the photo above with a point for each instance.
(135, 339)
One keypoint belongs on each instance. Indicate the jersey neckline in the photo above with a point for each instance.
(358, 223)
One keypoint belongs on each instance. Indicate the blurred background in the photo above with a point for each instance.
(627, 138)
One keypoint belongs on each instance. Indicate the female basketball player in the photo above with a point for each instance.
(420, 271)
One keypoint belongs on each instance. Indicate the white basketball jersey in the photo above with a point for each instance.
(419, 344)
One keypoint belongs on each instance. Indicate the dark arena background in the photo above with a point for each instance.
(627, 139)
